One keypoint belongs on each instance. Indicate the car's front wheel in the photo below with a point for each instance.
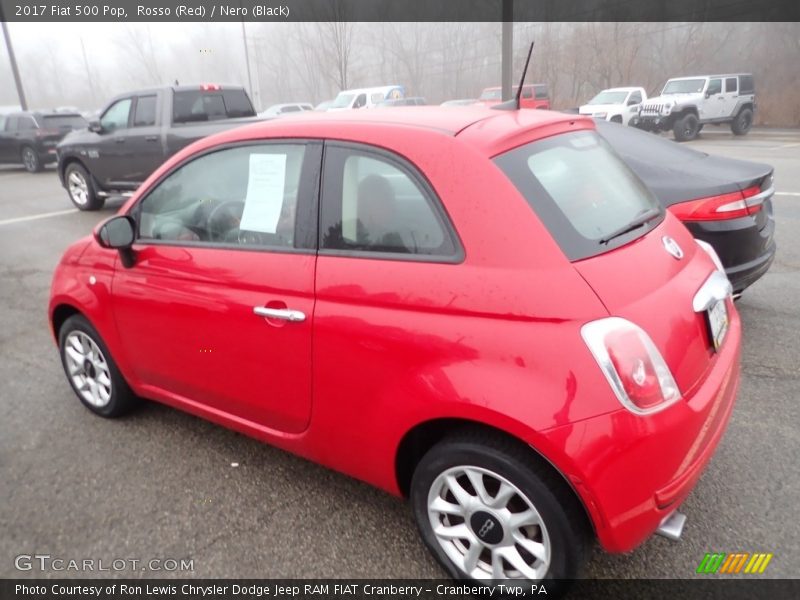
(31, 160)
(686, 128)
(91, 371)
(486, 510)
(80, 188)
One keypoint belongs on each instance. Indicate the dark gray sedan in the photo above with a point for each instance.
(722, 201)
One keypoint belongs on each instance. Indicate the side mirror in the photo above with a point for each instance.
(119, 233)
(708, 94)
(95, 127)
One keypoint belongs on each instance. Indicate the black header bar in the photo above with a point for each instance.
(397, 10)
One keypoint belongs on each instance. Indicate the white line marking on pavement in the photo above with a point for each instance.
(787, 193)
(40, 216)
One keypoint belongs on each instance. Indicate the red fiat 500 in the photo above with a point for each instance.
(483, 311)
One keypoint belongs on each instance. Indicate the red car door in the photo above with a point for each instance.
(217, 306)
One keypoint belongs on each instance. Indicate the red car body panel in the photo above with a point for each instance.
(390, 345)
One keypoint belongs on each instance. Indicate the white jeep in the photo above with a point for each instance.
(688, 103)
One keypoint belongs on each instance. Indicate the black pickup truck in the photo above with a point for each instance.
(138, 131)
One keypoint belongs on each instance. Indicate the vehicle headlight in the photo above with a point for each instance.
(667, 109)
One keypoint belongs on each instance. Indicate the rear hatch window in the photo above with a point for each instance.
(585, 195)
(190, 106)
(63, 122)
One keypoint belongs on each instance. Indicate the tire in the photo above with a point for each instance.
(616, 119)
(80, 188)
(498, 463)
(91, 371)
(686, 128)
(742, 123)
(31, 160)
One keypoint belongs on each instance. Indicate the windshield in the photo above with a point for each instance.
(609, 98)
(581, 190)
(342, 101)
(492, 94)
(684, 86)
(64, 121)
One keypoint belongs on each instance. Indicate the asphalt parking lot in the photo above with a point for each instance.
(161, 484)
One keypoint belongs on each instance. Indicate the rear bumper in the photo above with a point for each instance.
(634, 470)
(745, 246)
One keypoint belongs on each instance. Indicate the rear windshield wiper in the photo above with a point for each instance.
(647, 216)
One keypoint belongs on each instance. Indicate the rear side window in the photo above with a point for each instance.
(26, 123)
(746, 85)
(200, 105)
(582, 191)
(145, 113)
(541, 92)
(373, 203)
(730, 84)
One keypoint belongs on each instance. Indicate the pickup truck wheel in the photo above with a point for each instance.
(31, 160)
(485, 510)
(686, 128)
(80, 188)
(743, 121)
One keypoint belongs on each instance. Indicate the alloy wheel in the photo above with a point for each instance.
(487, 526)
(29, 160)
(78, 188)
(88, 368)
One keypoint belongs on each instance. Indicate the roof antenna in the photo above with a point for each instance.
(515, 103)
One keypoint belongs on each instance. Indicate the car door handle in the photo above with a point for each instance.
(285, 314)
(151, 138)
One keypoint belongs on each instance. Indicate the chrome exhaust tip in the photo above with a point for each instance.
(672, 526)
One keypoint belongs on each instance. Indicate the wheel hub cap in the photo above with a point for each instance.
(486, 527)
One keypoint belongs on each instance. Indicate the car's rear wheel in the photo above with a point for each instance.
(31, 160)
(91, 371)
(80, 188)
(686, 128)
(487, 510)
(743, 121)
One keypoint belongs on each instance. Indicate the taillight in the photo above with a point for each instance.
(210, 87)
(725, 206)
(632, 364)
